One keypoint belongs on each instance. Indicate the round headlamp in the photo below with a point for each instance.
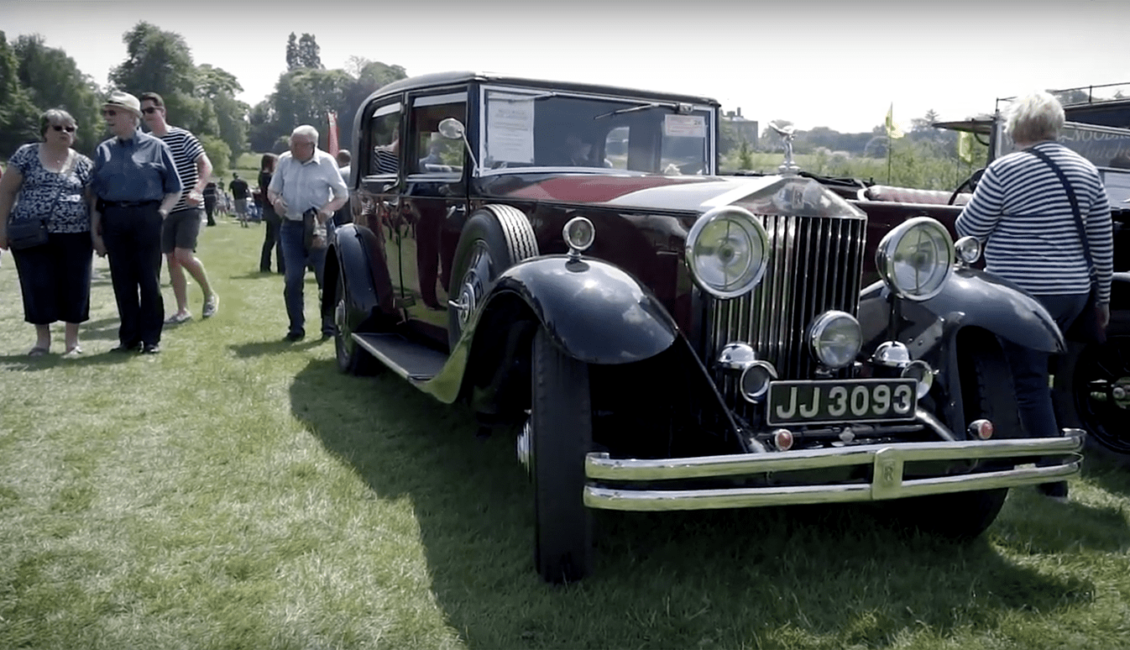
(835, 337)
(968, 249)
(727, 249)
(916, 258)
(579, 234)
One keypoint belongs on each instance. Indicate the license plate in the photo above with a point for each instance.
(855, 400)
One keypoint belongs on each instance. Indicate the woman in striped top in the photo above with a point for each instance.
(1022, 209)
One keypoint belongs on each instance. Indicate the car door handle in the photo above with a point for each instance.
(456, 212)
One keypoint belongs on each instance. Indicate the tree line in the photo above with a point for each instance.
(200, 98)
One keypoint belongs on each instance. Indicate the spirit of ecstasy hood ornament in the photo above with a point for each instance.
(787, 132)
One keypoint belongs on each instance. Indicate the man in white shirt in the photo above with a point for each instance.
(306, 180)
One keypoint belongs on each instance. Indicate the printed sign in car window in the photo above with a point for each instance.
(684, 126)
(510, 128)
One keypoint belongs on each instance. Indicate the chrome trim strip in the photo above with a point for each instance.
(653, 500)
(601, 466)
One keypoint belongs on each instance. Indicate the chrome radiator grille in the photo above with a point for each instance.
(815, 266)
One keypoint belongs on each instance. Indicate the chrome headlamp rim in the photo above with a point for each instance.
(967, 249)
(579, 234)
(885, 256)
(818, 345)
(747, 219)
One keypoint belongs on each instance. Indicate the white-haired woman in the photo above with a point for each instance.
(1022, 210)
(47, 181)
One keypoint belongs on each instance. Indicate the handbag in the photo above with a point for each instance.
(1087, 326)
(29, 233)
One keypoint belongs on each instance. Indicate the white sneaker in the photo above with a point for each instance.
(211, 306)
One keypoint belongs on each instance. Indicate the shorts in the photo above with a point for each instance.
(180, 230)
(241, 206)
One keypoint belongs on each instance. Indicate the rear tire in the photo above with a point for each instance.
(352, 359)
(561, 435)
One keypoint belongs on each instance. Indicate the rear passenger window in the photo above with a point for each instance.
(384, 141)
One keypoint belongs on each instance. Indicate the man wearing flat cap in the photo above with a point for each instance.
(135, 185)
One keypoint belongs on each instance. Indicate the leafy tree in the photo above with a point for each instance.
(220, 87)
(292, 62)
(218, 152)
(371, 76)
(161, 62)
(309, 54)
(52, 80)
(19, 119)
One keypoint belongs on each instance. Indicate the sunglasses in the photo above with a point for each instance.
(150, 110)
(68, 129)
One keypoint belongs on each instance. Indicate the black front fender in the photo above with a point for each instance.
(972, 298)
(596, 312)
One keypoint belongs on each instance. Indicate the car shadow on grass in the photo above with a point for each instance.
(260, 348)
(838, 575)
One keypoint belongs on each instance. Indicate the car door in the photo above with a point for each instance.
(380, 161)
(433, 205)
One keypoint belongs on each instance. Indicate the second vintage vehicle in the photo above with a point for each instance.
(564, 258)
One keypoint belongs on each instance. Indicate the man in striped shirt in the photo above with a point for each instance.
(1023, 210)
(182, 226)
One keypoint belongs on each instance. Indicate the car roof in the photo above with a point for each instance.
(439, 79)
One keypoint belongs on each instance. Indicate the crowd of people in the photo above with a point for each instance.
(140, 200)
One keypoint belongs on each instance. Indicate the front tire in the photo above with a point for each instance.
(987, 392)
(561, 436)
(1092, 392)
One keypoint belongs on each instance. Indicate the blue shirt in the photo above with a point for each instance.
(138, 169)
(305, 185)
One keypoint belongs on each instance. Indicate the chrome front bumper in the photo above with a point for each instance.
(887, 460)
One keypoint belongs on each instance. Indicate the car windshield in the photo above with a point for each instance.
(527, 128)
(1104, 146)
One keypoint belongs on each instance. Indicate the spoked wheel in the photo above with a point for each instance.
(557, 438)
(493, 239)
(1097, 383)
(351, 359)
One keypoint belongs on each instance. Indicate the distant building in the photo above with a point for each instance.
(746, 129)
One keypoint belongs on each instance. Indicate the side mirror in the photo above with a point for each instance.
(452, 129)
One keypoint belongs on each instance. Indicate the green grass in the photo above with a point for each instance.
(237, 492)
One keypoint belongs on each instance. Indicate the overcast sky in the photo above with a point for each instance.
(818, 63)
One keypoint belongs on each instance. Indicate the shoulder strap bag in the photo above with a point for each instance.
(29, 233)
(1087, 327)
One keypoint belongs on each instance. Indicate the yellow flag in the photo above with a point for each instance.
(965, 147)
(892, 128)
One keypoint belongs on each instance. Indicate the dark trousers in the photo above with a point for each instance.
(297, 256)
(1030, 369)
(55, 279)
(210, 209)
(133, 244)
(271, 240)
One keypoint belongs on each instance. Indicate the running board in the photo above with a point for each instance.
(412, 361)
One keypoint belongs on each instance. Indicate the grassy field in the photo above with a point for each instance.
(235, 491)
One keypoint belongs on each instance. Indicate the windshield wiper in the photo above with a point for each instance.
(633, 109)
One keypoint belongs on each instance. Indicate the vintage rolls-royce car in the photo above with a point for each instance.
(563, 258)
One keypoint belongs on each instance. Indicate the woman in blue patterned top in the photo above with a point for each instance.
(48, 180)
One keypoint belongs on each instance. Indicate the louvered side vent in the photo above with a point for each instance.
(815, 266)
